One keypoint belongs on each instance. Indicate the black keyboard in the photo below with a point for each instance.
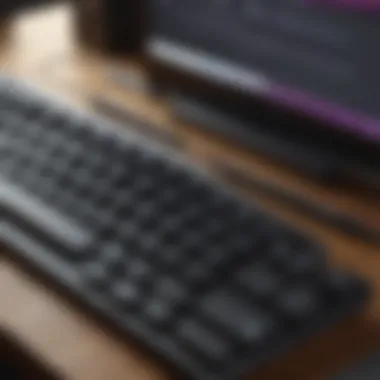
(167, 255)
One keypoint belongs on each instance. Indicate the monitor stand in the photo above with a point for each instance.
(310, 152)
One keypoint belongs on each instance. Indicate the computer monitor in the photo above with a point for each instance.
(316, 58)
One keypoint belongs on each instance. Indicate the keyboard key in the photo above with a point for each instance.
(170, 257)
(43, 219)
(159, 311)
(196, 273)
(95, 275)
(242, 321)
(259, 280)
(299, 303)
(338, 281)
(338, 284)
(126, 294)
(281, 252)
(307, 263)
(203, 340)
(113, 254)
(139, 270)
(171, 289)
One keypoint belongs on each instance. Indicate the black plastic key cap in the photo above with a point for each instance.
(159, 311)
(339, 284)
(338, 281)
(244, 322)
(114, 265)
(138, 270)
(171, 289)
(125, 294)
(299, 302)
(95, 276)
(308, 263)
(43, 219)
(259, 280)
(167, 295)
(203, 340)
(281, 252)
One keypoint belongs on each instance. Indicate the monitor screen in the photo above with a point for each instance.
(319, 57)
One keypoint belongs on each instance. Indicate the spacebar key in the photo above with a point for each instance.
(41, 218)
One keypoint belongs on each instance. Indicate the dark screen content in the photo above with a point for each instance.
(329, 41)
(17, 363)
(332, 44)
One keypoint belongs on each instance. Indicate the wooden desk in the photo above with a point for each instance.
(39, 47)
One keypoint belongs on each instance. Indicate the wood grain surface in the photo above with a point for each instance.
(39, 47)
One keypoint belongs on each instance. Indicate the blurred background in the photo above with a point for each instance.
(280, 100)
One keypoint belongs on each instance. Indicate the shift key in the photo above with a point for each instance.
(43, 219)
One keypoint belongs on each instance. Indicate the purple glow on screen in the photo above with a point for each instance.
(347, 120)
